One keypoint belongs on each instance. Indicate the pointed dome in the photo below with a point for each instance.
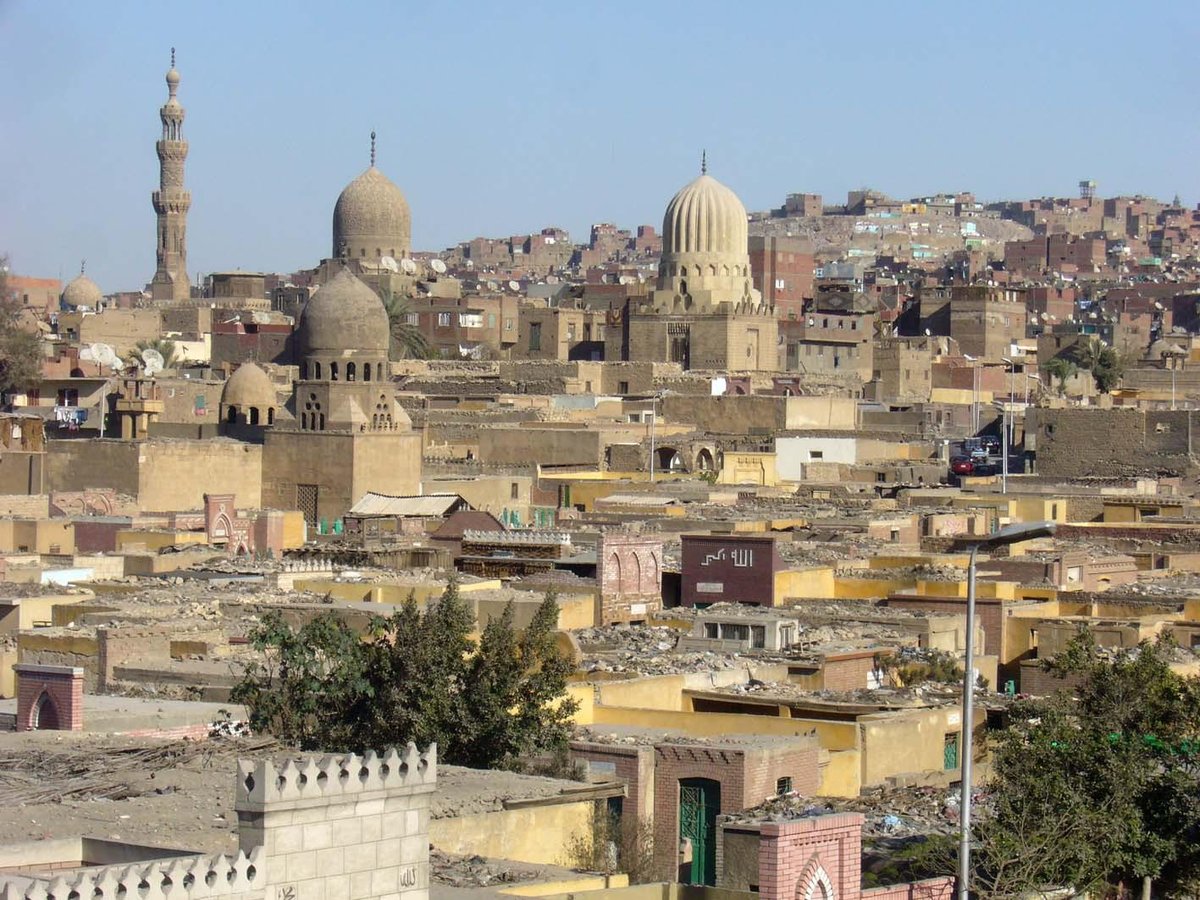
(249, 386)
(371, 219)
(344, 314)
(82, 291)
(705, 217)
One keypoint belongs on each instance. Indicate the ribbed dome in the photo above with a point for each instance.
(249, 386)
(371, 219)
(705, 217)
(344, 314)
(82, 291)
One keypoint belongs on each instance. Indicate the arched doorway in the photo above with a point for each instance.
(667, 459)
(704, 460)
(45, 714)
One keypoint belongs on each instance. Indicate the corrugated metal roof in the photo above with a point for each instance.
(372, 504)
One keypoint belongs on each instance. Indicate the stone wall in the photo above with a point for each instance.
(1113, 442)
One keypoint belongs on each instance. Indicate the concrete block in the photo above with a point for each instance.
(388, 851)
(329, 862)
(360, 886)
(360, 858)
(337, 888)
(287, 839)
(346, 832)
(414, 847)
(306, 816)
(384, 881)
(369, 807)
(300, 866)
(317, 836)
(372, 828)
(313, 889)
(395, 824)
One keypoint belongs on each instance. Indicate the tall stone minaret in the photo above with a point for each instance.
(171, 201)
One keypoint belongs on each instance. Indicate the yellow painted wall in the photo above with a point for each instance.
(388, 592)
(662, 692)
(869, 588)
(8, 678)
(842, 775)
(908, 742)
(749, 468)
(815, 583)
(32, 611)
(568, 887)
(295, 529)
(537, 834)
(55, 536)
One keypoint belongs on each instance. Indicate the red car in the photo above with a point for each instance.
(962, 465)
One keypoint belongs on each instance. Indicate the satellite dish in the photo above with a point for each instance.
(389, 263)
(438, 266)
(105, 355)
(408, 266)
(154, 361)
(514, 286)
(1158, 304)
(258, 318)
(493, 286)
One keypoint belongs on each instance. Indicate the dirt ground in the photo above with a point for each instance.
(177, 794)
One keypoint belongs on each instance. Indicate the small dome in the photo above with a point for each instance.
(344, 314)
(249, 386)
(705, 217)
(371, 218)
(82, 291)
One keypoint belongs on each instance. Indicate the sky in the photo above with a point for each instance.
(504, 118)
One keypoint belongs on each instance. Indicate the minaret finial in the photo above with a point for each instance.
(703, 162)
(372, 149)
(82, 266)
(172, 57)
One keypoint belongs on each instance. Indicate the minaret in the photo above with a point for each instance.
(171, 201)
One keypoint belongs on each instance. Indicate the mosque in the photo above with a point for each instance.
(704, 312)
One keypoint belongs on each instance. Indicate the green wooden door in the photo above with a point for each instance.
(950, 752)
(699, 803)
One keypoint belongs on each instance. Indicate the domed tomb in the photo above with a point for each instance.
(344, 332)
(371, 218)
(249, 397)
(82, 291)
(705, 260)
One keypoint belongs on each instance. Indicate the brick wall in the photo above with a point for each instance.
(49, 697)
(629, 572)
(847, 674)
(929, 889)
(632, 765)
(817, 858)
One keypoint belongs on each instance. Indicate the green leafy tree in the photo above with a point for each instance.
(1097, 787)
(407, 340)
(170, 352)
(1061, 370)
(414, 676)
(1106, 365)
(20, 344)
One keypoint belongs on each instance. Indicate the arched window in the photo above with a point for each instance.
(379, 373)
(333, 373)
(254, 415)
(304, 370)
(270, 415)
(351, 373)
(317, 371)
(304, 421)
(321, 426)
(231, 415)
(367, 372)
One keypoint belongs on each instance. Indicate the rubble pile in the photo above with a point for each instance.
(475, 871)
(887, 812)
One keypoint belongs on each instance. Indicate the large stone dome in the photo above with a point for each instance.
(82, 291)
(705, 217)
(371, 219)
(249, 386)
(344, 315)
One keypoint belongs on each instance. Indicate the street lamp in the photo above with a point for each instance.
(1010, 535)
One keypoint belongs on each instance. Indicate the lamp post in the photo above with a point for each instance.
(1010, 535)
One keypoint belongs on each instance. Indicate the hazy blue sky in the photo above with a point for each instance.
(502, 118)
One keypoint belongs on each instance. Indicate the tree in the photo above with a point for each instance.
(407, 340)
(414, 676)
(1098, 786)
(20, 345)
(1104, 362)
(1061, 370)
(166, 347)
